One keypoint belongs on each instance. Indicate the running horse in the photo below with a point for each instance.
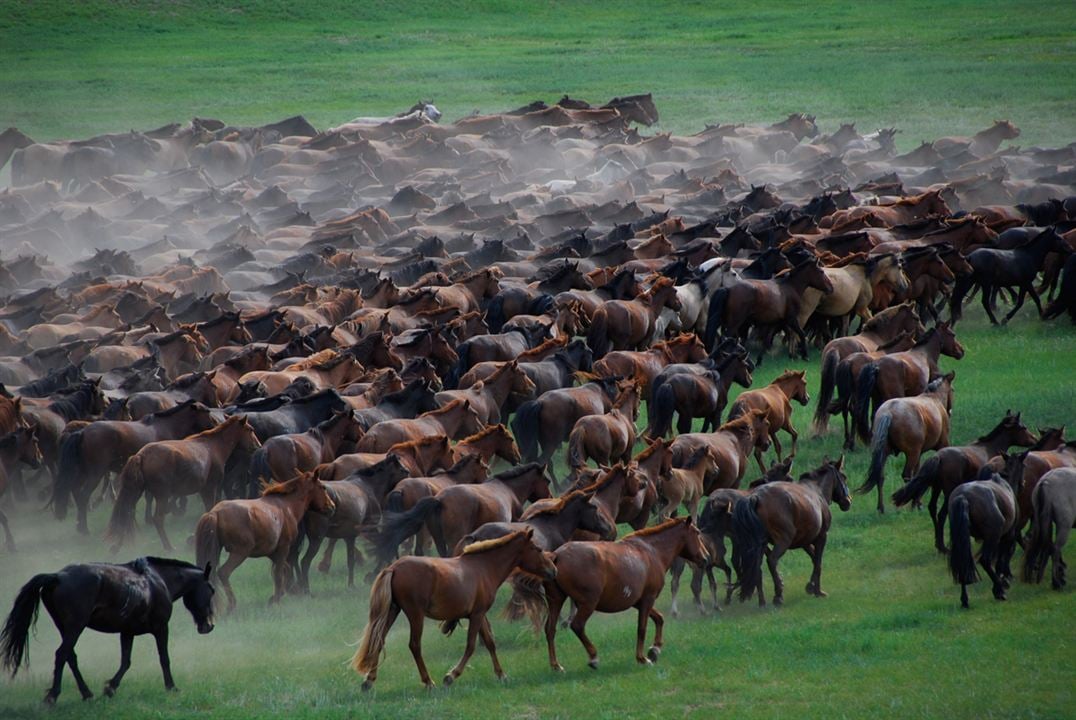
(630, 324)
(775, 399)
(984, 508)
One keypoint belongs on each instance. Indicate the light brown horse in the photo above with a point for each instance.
(1054, 516)
(909, 425)
(903, 211)
(455, 420)
(176, 468)
(326, 369)
(684, 485)
(449, 590)
(282, 457)
(487, 397)
(853, 288)
(629, 324)
(488, 443)
(611, 577)
(606, 438)
(775, 399)
(646, 364)
(263, 527)
(731, 446)
(781, 516)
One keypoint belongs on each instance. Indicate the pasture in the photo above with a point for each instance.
(889, 641)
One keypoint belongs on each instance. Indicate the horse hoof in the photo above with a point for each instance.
(778, 602)
(87, 696)
(654, 653)
(49, 699)
(110, 690)
(366, 685)
(449, 680)
(503, 677)
(557, 668)
(593, 663)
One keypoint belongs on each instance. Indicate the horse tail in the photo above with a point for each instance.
(394, 502)
(528, 599)
(861, 409)
(259, 468)
(715, 315)
(661, 411)
(377, 629)
(207, 541)
(879, 454)
(918, 485)
(132, 482)
(525, 428)
(68, 473)
(825, 391)
(748, 544)
(495, 318)
(961, 559)
(598, 334)
(15, 636)
(463, 364)
(397, 527)
(1040, 543)
(577, 454)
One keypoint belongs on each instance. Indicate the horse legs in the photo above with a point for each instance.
(313, 544)
(938, 520)
(416, 620)
(675, 572)
(776, 445)
(354, 557)
(8, 537)
(579, 627)
(327, 559)
(390, 618)
(1019, 304)
(814, 585)
(161, 636)
(1057, 561)
(986, 291)
(758, 459)
(235, 559)
(988, 559)
(486, 633)
(474, 624)
(645, 606)
(773, 556)
(161, 507)
(281, 574)
(126, 641)
(555, 600)
(65, 655)
(659, 635)
(683, 423)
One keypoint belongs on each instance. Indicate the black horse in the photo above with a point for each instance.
(131, 599)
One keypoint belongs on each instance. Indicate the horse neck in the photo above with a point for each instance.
(608, 497)
(1037, 250)
(995, 445)
(450, 421)
(823, 486)
(745, 439)
(665, 545)
(485, 447)
(931, 350)
(178, 580)
(787, 385)
(222, 440)
(520, 487)
(496, 564)
(500, 386)
(294, 503)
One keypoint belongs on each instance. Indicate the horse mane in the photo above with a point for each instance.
(224, 317)
(331, 362)
(737, 424)
(647, 452)
(233, 361)
(550, 508)
(859, 258)
(184, 381)
(281, 488)
(414, 444)
(786, 375)
(317, 358)
(997, 430)
(559, 341)
(517, 471)
(173, 410)
(600, 483)
(481, 434)
(467, 277)
(916, 199)
(646, 532)
(168, 562)
(447, 408)
(486, 545)
(415, 338)
(233, 419)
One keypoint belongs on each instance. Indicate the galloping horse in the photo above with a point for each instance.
(775, 400)
(606, 438)
(629, 324)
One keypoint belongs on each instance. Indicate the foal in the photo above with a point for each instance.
(775, 400)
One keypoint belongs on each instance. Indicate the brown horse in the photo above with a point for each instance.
(781, 516)
(984, 508)
(15, 447)
(455, 420)
(1029, 467)
(909, 425)
(902, 374)
(731, 447)
(606, 438)
(487, 397)
(646, 364)
(89, 453)
(884, 327)
(684, 485)
(176, 468)
(775, 399)
(629, 324)
(697, 394)
(263, 527)
(449, 590)
(488, 443)
(459, 509)
(903, 211)
(956, 465)
(853, 283)
(282, 457)
(612, 577)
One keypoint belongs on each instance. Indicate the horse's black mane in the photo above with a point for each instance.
(519, 470)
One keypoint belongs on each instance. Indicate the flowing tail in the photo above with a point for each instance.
(961, 558)
(381, 616)
(915, 488)
(132, 482)
(749, 540)
(577, 454)
(861, 409)
(397, 527)
(825, 392)
(661, 411)
(528, 599)
(15, 636)
(259, 471)
(715, 316)
(598, 334)
(207, 541)
(68, 474)
(879, 454)
(1040, 545)
(525, 429)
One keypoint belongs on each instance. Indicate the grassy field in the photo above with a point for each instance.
(890, 641)
(74, 69)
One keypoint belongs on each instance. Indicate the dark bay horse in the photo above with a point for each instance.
(449, 590)
(554, 523)
(131, 599)
(704, 394)
(629, 324)
(986, 509)
(785, 516)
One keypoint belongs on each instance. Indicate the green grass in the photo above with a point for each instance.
(889, 641)
(73, 69)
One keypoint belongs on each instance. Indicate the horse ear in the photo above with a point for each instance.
(208, 568)
(840, 462)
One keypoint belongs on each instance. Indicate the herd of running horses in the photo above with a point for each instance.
(386, 331)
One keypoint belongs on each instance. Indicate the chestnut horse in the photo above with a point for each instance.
(786, 516)
(775, 399)
(732, 444)
(554, 523)
(449, 590)
(488, 443)
(629, 324)
(606, 438)
(455, 420)
(646, 364)
(909, 425)
(266, 526)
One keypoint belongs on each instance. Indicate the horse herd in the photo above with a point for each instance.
(326, 336)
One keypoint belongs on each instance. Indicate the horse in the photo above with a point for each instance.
(488, 348)
(697, 394)
(131, 599)
(879, 330)
(488, 443)
(606, 438)
(786, 516)
(283, 415)
(282, 457)
(455, 420)
(175, 468)
(902, 374)
(417, 397)
(775, 399)
(984, 508)
(731, 444)
(955, 465)
(449, 590)
(15, 447)
(646, 364)
(853, 282)
(684, 484)
(610, 577)
(1054, 515)
(629, 324)
(487, 397)
(909, 425)
(194, 386)
(266, 526)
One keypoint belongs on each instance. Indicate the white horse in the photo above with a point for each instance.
(424, 110)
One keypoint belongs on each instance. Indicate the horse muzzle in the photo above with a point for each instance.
(204, 628)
